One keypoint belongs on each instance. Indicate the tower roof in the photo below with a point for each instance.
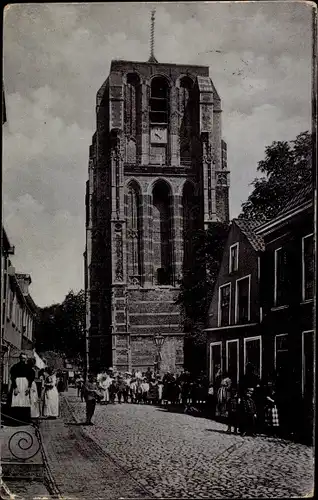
(152, 58)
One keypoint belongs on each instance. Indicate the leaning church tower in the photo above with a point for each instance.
(157, 170)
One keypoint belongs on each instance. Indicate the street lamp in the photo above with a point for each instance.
(158, 341)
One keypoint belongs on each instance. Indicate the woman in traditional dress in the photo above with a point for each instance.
(105, 385)
(160, 390)
(139, 391)
(34, 397)
(133, 390)
(271, 412)
(22, 377)
(79, 383)
(224, 394)
(153, 391)
(35, 402)
(51, 396)
(43, 374)
(127, 380)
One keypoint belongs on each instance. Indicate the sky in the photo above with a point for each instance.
(56, 57)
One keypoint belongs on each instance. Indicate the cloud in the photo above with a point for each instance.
(56, 57)
(45, 245)
(45, 170)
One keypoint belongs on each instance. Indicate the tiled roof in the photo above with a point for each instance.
(22, 276)
(303, 195)
(248, 227)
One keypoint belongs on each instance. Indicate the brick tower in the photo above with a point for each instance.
(157, 170)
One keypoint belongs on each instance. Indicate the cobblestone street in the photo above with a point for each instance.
(175, 455)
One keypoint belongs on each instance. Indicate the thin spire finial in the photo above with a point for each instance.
(152, 37)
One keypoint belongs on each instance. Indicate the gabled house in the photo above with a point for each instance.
(233, 330)
(287, 301)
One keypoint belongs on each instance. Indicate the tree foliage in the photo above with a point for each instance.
(196, 289)
(61, 327)
(287, 165)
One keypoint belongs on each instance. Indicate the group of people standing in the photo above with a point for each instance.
(148, 388)
(151, 388)
(140, 387)
(33, 393)
(248, 408)
(132, 387)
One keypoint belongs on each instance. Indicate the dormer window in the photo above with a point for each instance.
(234, 254)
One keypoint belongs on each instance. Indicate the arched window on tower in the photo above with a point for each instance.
(132, 117)
(190, 217)
(133, 217)
(159, 120)
(161, 234)
(186, 86)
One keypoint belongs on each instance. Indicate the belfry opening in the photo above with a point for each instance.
(161, 234)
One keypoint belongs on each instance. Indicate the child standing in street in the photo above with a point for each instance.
(232, 409)
(160, 391)
(79, 383)
(211, 402)
(139, 391)
(121, 386)
(133, 390)
(271, 413)
(145, 390)
(248, 413)
(113, 390)
(91, 394)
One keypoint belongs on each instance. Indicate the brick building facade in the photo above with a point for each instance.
(233, 323)
(262, 308)
(157, 170)
(287, 299)
(18, 312)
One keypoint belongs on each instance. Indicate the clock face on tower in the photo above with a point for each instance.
(158, 135)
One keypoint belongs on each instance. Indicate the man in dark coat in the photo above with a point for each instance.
(148, 375)
(92, 393)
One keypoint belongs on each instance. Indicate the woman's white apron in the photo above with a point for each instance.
(21, 399)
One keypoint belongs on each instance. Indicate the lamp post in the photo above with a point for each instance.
(158, 341)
